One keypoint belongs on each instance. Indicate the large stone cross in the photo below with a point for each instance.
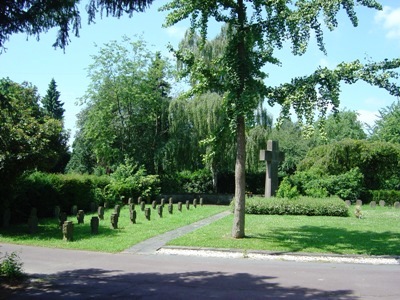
(272, 156)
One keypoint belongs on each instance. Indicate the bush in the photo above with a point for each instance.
(11, 266)
(197, 182)
(303, 206)
(347, 186)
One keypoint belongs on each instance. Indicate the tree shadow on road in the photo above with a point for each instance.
(98, 283)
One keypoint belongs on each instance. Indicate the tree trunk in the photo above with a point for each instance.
(240, 181)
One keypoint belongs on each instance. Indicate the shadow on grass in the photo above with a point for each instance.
(334, 240)
(105, 284)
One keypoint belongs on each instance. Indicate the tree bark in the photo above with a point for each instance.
(240, 181)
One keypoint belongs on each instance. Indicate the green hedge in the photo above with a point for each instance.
(332, 206)
(389, 196)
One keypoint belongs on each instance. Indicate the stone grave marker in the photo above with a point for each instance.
(57, 211)
(131, 207)
(160, 210)
(162, 202)
(187, 204)
(396, 204)
(195, 203)
(74, 210)
(33, 221)
(201, 201)
(348, 203)
(68, 231)
(170, 200)
(142, 205)
(372, 204)
(170, 208)
(359, 202)
(147, 213)
(139, 200)
(62, 218)
(6, 218)
(180, 206)
(382, 203)
(100, 212)
(94, 225)
(105, 205)
(80, 216)
(117, 209)
(132, 216)
(154, 204)
(114, 220)
(272, 156)
(130, 200)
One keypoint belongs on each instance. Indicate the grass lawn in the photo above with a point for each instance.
(377, 233)
(108, 240)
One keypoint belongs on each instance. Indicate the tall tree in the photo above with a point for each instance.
(387, 127)
(255, 30)
(51, 102)
(36, 16)
(128, 102)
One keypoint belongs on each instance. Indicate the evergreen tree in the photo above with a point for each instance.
(51, 102)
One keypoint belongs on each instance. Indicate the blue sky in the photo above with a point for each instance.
(377, 37)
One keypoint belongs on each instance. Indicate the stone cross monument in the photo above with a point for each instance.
(272, 156)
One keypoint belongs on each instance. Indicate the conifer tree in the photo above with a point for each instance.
(51, 102)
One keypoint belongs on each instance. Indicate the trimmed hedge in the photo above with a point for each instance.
(332, 206)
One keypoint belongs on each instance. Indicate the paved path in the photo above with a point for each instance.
(151, 245)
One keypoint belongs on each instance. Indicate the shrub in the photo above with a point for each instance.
(11, 266)
(332, 206)
(286, 190)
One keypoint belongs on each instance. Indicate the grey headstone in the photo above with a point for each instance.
(348, 203)
(100, 212)
(80, 216)
(372, 204)
(94, 225)
(382, 203)
(68, 231)
(114, 220)
(359, 202)
(147, 213)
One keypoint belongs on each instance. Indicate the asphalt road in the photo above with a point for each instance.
(57, 273)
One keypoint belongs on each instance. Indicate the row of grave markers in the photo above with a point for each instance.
(381, 203)
(67, 227)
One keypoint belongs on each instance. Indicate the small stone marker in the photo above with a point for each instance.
(396, 204)
(154, 204)
(132, 216)
(62, 218)
(201, 201)
(272, 156)
(382, 203)
(105, 204)
(68, 231)
(195, 203)
(359, 202)
(142, 205)
(94, 225)
(162, 202)
(74, 210)
(348, 203)
(147, 213)
(57, 211)
(130, 200)
(160, 210)
(187, 204)
(131, 207)
(117, 209)
(114, 220)
(33, 221)
(80, 216)
(139, 200)
(180, 206)
(100, 212)
(6, 218)
(170, 208)
(372, 204)
(170, 201)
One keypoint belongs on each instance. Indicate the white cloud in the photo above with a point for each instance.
(176, 32)
(367, 117)
(390, 19)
